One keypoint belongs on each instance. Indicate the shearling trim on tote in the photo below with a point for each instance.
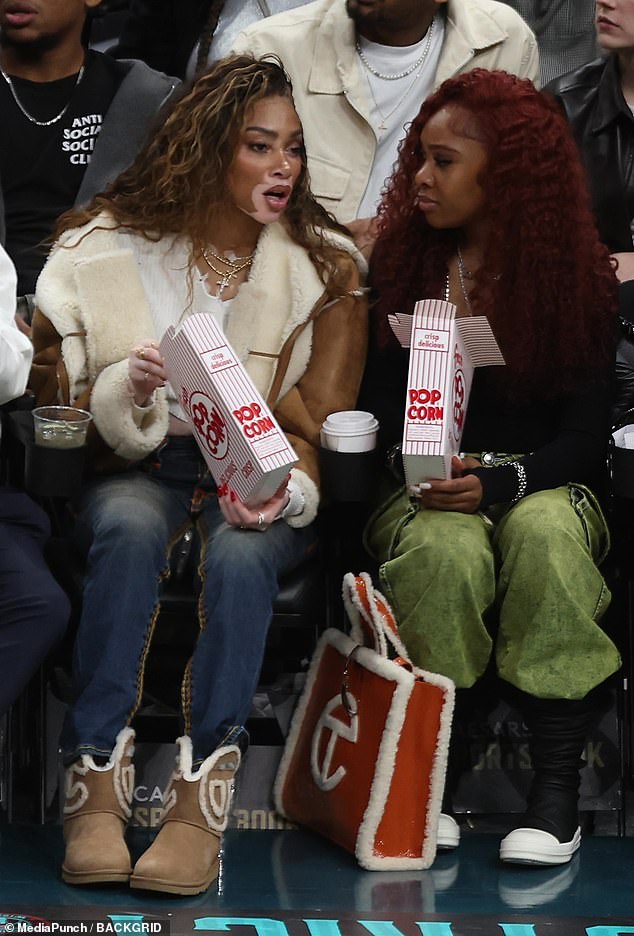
(380, 788)
(377, 800)
(355, 609)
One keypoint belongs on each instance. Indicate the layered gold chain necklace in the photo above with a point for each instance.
(233, 267)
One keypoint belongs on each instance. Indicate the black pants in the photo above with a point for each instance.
(34, 610)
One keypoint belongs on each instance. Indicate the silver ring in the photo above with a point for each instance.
(146, 376)
(260, 521)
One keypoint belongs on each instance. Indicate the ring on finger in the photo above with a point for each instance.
(146, 375)
(261, 521)
(140, 353)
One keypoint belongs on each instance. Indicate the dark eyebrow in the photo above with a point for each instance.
(271, 133)
(442, 146)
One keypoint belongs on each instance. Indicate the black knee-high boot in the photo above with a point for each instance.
(558, 731)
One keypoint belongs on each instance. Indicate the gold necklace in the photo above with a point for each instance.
(462, 276)
(235, 267)
(229, 260)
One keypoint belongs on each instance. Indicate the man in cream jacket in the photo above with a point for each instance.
(362, 68)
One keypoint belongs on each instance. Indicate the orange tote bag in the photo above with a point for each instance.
(365, 760)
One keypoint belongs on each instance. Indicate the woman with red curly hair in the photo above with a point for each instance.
(498, 565)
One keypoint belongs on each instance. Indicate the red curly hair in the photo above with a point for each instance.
(553, 308)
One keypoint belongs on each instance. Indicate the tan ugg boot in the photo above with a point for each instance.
(183, 859)
(96, 812)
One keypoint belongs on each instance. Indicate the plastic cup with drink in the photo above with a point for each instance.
(60, 427)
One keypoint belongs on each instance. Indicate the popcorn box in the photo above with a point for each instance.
(444, 350)
(238, 435)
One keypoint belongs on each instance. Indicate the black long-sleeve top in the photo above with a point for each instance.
(561, 440)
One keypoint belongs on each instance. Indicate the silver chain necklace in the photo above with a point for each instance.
(394, 76)
(53, 120)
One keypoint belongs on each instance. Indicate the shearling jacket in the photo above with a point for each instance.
(316, 43)
(91, 310)
(603, 126)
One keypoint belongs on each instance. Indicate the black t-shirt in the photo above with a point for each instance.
(42, 167)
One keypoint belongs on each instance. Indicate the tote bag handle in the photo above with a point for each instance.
(372, 621)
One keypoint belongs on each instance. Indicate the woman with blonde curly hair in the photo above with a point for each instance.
(214, 216)
(498, 564)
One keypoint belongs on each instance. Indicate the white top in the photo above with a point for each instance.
(163, 273)
(395, 102)
(16, 350)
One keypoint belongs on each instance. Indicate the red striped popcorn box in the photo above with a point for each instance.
(238, 435)
(444, 350)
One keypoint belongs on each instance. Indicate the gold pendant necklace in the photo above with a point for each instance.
(235, 267)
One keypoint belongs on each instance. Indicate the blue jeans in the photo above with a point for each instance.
(128, 524)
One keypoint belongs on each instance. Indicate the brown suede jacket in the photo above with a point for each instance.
(304, 351)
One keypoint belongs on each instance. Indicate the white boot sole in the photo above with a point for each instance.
(448, 836)
(535, 847)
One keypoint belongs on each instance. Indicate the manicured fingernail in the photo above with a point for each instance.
(233, 496)
(421, 486)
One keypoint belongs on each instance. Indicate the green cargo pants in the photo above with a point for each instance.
(526, 588)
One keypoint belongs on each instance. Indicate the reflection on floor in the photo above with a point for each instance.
(293, 871)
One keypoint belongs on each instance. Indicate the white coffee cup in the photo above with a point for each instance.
(349, 431)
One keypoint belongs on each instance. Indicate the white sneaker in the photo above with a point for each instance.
(448, 832)
(535, 847)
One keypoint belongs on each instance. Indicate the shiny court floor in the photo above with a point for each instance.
(294, 875)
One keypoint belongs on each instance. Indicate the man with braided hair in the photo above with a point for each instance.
(183, 38)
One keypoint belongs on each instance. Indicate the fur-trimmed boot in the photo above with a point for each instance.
(549, 832)
(183, 859)
(96, 813)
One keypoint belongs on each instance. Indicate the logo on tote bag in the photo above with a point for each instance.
(321, 771)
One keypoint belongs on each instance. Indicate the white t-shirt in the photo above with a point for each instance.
(395, 102)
